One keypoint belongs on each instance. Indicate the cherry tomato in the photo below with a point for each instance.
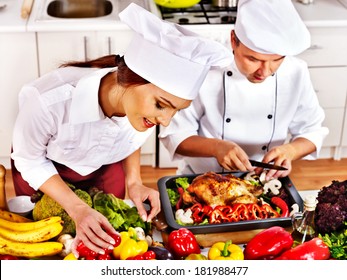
(8, 257)
(117, 239)
(149, 255)
(108, 251)
(83, 250)
(138, 257)
(104, 257)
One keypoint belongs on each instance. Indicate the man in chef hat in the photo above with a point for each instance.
(263, 107)
(85, 123)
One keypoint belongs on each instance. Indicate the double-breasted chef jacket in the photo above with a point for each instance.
(256, 116)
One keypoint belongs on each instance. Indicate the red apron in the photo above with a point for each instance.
(108, 178)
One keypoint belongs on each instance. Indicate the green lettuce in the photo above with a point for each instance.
(120, 215)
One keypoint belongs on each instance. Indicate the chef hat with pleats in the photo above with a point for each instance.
(168, 55)
(271, 27)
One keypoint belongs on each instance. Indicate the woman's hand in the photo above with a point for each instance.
(139, 193)
(93, 229)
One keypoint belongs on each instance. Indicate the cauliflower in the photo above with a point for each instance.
(47, 207)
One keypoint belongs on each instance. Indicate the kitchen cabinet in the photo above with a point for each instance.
(18, 66)
(55, 48)
(327, 62)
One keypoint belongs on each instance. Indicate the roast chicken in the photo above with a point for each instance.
(216, 189)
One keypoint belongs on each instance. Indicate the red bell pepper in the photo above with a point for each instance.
(199, 212)
(179, 203)
(269, 212)
(280, 203)
(315, 249)
(182, 243)
(268, 244)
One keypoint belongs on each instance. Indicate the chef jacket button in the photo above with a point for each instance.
(229, 73)
(263, 148)
(269, 117)
(228, 120)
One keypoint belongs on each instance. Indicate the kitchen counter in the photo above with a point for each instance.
(10, 17)
(40, 21)
(323, 13)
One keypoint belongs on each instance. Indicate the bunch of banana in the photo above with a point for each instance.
(13, 217)
(30, 239)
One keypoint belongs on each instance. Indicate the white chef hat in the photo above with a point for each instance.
(168, 55)
(271, 27)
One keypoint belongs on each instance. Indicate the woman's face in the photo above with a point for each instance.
(147, 106)
(256, 67)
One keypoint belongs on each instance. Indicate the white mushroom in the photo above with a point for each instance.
(66, 240)
(250, 177)
(295, 209)
(273, 185)
(149, 240)
(262, 177)
(184, 217)
(140, 233)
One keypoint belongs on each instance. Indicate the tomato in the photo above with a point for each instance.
(138, 257)
(8, 257)
(85, 252)
(117, 239)
(149, 255)
(104, 257)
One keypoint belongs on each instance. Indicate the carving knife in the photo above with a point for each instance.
(266, 165)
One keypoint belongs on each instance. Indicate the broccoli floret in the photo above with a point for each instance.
(173, 196)
(182, 182)
(47, 207)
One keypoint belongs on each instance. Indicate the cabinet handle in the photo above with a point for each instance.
(109, 42)
(85, 42)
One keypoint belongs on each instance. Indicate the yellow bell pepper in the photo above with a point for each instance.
(130, 246)
(70, 257)
(225, 251)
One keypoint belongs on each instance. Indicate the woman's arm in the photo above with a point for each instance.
(136, 191)
(91, 226)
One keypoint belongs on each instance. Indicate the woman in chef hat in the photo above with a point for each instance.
(250, 109)
(84, 123)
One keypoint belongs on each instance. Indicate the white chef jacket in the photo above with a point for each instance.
(60, 119)
(256, 116)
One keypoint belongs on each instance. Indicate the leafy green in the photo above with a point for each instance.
(120, 215)
(173, 196)
(182, 182)
(337, 243)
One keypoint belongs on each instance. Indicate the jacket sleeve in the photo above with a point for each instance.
(309, 116)
(183, 125)
(31, 133)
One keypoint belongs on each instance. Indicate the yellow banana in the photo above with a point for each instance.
(9, 216)
(31, 236)
(24, 226)
(29, 250)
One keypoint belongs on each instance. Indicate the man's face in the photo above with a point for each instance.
(255, 66)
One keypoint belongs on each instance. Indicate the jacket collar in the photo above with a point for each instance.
(85, 98)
